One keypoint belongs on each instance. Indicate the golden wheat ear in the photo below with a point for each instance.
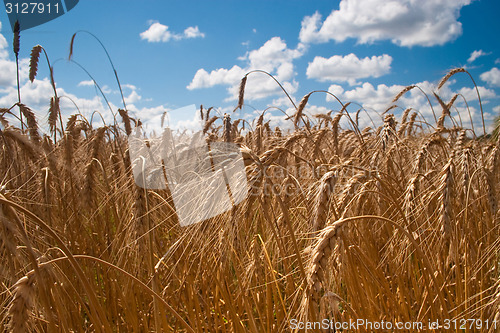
(35, 56)
(402, 92)
(450, 74)
(20, 307)
(241, 93)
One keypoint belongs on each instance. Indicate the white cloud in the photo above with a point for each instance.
(129, 86)
(37, 96)
(348, 68)
(134, 97)
(8, 70)
(476, 54)
(158, 32)
(470, 94)
(90, 83)
(7, 73)
(376, 99)
(273, 57)
(86, 83)
(221, 76)
(492, 77)
(149, 116)
(404, 22)
(3, 45)
(193, 32)
(497, 61)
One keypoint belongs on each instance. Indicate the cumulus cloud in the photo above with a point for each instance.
(158, 32)
(376, 99)
(404, 22)
(221, 76)
(37, 95)
(476, 54)
(371, 97)
(8, 71)
(492, 77)
(134, 97)
(470, 94)
(3, 45)
(8, 66)
(348, 68)
(273, 57)
(193, 32)
(86, 83)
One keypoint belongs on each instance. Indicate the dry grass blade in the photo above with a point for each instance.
(446, 193)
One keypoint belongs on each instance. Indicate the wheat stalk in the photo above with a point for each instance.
(445, 190)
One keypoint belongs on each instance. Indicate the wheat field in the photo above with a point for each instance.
(398, 223)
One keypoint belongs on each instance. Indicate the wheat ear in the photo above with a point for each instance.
(402, 92)
(325, 188)
(21, 304)
(241, 93)
(450, 74)
(31, 120)
(35, 56)
(227, 127)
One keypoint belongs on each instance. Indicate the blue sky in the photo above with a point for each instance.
(169, 54)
